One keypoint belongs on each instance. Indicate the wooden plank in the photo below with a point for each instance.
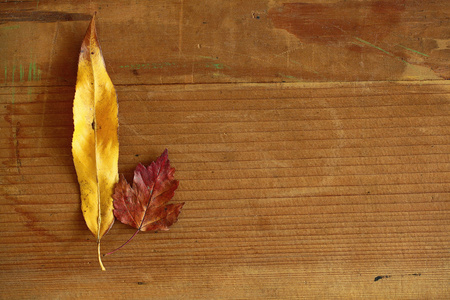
(328, 190)
(178, 41)
(310, 139)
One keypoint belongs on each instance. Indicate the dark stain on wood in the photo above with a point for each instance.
(441, 68)
(32, 222)
(366, 31)
(381, 277)
(41, 16)
(337, 22)
(389, 276)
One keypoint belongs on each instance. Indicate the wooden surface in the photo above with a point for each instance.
(311, 141)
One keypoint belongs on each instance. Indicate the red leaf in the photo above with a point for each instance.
(143, 205)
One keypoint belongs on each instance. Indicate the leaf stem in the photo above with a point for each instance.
(100, 257)
(137, 231)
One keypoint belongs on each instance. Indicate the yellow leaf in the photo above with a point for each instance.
(95, 145)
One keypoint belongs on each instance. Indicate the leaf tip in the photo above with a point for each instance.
(164, 156)
(93, 17)
(179, 208)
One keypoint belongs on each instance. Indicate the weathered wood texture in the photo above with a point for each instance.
(332, 185)
(230, 41)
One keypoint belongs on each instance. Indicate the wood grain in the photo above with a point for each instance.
(178, 41)
(309, 187)
(313, 160)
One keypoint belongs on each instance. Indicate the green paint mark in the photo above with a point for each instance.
(297, 63)
(13, 89)
(10, 27)
(372, 45)
(289, 76)
(21, 73)
(382, 50)
(415, 51)
(208, 57)
(148, 65)
(39, 75)
(34, 71)
(30, 69)
(217, 66)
